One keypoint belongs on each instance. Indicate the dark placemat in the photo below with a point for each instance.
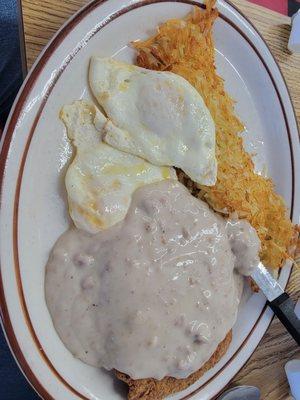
(13, 385)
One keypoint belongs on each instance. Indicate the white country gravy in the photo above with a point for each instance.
(155, 294)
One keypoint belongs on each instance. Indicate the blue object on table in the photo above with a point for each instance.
(10, 61)
(292, 369)
(13, 385)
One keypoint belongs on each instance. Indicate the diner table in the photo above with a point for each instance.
(265, 368)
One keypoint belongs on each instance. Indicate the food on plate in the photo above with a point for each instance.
(152, 389)
(150, 283)
(100, 180)
(158, 116)
(154, 295)
(186, 47)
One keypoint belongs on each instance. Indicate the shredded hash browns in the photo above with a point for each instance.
(186, 47)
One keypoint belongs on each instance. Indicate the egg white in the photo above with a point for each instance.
(158, 116)
(101, 179)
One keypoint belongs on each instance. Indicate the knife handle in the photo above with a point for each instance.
(283, 306)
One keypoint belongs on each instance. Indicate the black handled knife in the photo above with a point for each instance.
(280, 302)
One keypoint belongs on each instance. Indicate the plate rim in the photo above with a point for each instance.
(24, 92)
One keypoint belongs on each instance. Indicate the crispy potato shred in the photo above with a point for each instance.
(186, 47)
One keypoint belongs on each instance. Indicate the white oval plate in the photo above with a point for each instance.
(34, 156)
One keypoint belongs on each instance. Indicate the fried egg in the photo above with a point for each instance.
(100, 180)
(156, 115)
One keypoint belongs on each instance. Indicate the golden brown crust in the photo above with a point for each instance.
(152, 389)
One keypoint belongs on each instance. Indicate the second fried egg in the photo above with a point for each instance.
(101, 179)
(156, 115)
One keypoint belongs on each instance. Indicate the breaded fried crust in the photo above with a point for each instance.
(152, 389)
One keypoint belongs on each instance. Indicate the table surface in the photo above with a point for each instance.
(42, 18)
